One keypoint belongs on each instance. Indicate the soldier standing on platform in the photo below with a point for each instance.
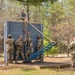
(72, 49)
(39, 45)
(19, 48)
(9, 48)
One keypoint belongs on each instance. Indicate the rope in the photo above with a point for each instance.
(39, 31)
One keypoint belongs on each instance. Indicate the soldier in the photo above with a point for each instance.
(9, 48)
(72, 49)
(39, 45)
(28, 34)
(19, 47)
(23, 15)
(29, 47)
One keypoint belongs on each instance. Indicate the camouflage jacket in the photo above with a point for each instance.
(30, 47)
(9, 44)
(39, 43)
(71, 47)
(19, 44)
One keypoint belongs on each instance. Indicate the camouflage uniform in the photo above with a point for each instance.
(72, 49)
(28, 35)
(39, 45)
(19, 47)
(29, 48)
(9, 49)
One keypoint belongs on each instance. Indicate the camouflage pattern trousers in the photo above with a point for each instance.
(19, 52)
(73, 60)
(9, 56)
(40, 56)
(28, 53)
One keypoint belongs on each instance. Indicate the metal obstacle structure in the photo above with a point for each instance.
(16, 29)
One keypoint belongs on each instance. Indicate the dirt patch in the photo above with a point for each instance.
(48, 63)
(57, 59)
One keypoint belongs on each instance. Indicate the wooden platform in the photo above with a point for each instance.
(40, 65)
(48, 63)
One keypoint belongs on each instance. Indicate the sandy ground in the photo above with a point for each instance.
(57, 59)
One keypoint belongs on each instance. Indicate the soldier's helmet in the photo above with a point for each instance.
(38, 36)
(10, 35)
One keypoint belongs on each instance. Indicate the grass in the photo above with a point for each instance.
(22, 71)
(29, 71)
(1, 57)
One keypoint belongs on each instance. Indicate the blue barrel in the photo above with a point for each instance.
(17, 29)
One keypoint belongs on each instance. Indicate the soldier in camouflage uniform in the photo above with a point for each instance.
(23, 15)
(28, 34)
(19, 47)
(9, 48)
(72, 49)
(29, 47)
(39, 45)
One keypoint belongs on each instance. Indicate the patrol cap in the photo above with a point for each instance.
(9, 35)
(21, 36)
(29, 39)
(28, 33)
(39, 36)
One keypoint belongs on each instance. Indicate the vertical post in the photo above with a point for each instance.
(28, 11)
(5, 37)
